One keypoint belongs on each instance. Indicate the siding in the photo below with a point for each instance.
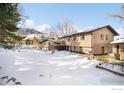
(97, 43)
(120, 51)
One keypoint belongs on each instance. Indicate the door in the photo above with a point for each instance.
(117, 55)
(117, 48)
(103, 50)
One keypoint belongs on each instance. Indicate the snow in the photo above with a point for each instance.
(112, 67)
(37, 67)
(32, 36)
(118, 39)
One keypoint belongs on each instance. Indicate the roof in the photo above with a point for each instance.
(94, 29)
(118, 40)
(44, 40)
(48, 39)
(32, 36)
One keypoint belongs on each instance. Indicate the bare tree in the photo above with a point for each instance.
(120, 15)
(65, 28)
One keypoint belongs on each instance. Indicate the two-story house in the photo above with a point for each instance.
(96, 40)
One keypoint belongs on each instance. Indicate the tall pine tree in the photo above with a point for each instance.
(9, 18)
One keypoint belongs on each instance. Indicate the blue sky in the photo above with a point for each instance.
(82, 15)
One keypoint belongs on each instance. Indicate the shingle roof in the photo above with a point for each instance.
(94, 29)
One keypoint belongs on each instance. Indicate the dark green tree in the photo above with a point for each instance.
(9, 18)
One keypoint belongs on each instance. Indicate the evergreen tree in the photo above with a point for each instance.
(9, 18)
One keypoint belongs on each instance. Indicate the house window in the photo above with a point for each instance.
(102, 36)
(68, 39)
(106, 37)
(82, 37)
(74, 38)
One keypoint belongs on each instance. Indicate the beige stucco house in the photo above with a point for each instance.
(96, 40)
(118, 47)
(33, 39)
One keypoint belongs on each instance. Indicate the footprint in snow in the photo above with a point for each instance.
(41, 75)
(48, 75)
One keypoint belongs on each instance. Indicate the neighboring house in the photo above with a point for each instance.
(44, 43)
(118, 47)
(96, 41)
(49, 43)
(33, 39)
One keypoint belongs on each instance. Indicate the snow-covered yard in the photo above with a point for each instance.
(37, 67)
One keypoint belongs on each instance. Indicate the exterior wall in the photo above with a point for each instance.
(118, 54)
(121, 51)
(34, 42)
(86, 43)
(115, 48)
(98, 43)
(78, 44)
(45, 44)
